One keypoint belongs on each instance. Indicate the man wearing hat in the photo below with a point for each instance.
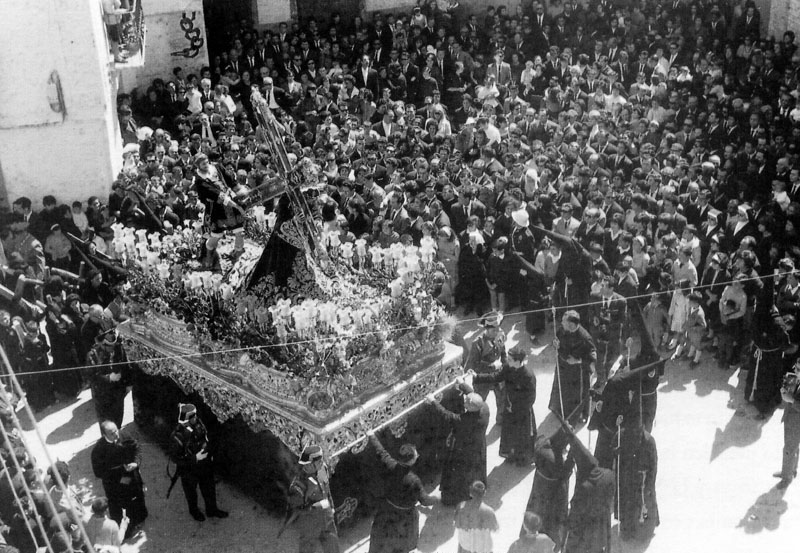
(465, 457)
(608, 324)
(519, 421)
(312, 505)
(109, 377)
(27, 245)
(522, 247)
(487, 355)
(395, 528)
(189, 449)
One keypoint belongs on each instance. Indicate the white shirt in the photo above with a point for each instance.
(493, 134)
(195, 101)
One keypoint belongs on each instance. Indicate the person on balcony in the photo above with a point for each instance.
(113, 12)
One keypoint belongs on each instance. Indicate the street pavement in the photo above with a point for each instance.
(715, 486)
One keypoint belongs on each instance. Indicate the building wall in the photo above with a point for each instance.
(58, 129)
(176, 37)
(784, 16)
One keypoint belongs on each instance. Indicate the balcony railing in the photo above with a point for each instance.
(132, 35)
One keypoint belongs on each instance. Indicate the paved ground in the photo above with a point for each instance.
(715, 486)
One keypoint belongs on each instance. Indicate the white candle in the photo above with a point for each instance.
(163, 271)
(260, 216)
(196, 281)
(377, 255)
(118, 229)
(361, 247)
(216, 282)
(347, 251)
(152, 259)
(333, 240)
(397, 251)
(227, 291)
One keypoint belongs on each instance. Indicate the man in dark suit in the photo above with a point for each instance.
(466, 207)
(696, 205)
(274, 50)
(539, 19)
(411, 72)
(715, 134)
(738, 227)
(749, 24)
(580, 41)
(366, 77)
(718, 30)
(590, 230)
(733, 132)
(621, 162)
(306, 53)
(625, 285)
(380, 54)
(397, 214)
(670, 206)
(793, 189)
(249, 61)
(622, 68)
(610, 207)
(383, 34)
(386, 126)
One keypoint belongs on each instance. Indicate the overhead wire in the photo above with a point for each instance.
(335, 337)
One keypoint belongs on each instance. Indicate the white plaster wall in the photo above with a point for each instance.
(166, 40)
(41, 152)
(784, 16)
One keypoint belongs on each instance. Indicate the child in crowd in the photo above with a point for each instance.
(728, 333)
(499, 274)
(656, 320)
(79, 218)
(695, 329)
(678, 310)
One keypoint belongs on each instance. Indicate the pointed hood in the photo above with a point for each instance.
(585, 463)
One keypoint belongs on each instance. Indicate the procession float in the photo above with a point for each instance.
(300, 338)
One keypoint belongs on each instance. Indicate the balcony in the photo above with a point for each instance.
(131, 36)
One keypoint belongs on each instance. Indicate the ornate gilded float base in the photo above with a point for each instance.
(229, 392)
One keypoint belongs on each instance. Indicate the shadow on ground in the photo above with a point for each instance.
(82, 418)
(503, 478)
(765, 513)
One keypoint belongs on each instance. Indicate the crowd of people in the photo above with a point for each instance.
(572, 160)
(35, 508)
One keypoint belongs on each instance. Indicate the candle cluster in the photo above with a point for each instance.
(312, 318)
